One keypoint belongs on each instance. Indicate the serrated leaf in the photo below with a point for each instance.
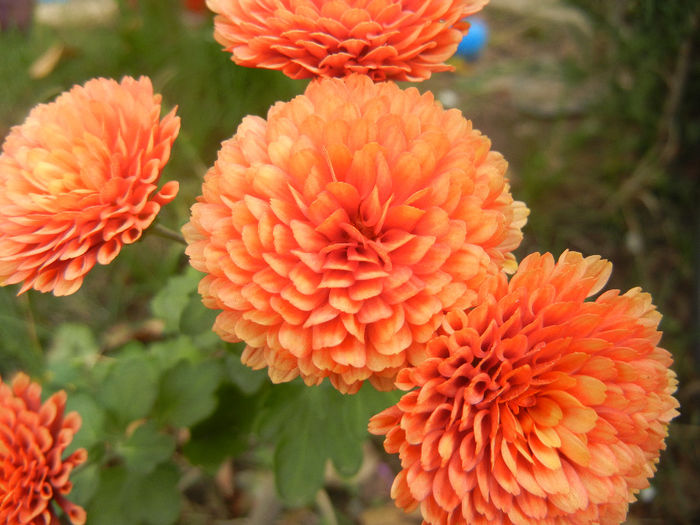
(146, 448)
(312, 425)
(130, 387)
(172, 299)
(186, 393)
(226, 433)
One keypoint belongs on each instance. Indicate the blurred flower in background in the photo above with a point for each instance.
(197, 6)
(335, 233)
(33, 438)
(535, 406)
(77, 181)
(385, 39)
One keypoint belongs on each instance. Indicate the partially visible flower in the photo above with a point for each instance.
(385, 39)
(336, 233)
(197, 6)
(77, 181)
(536, 406)
(33, 473)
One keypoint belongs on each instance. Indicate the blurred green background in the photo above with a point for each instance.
(594, 103)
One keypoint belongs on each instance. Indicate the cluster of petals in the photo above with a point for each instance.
(384, 39)
(77, 182)
(335, 233)
(536, 406)
(33, 437)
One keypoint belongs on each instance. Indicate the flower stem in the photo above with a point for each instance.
(167, 233)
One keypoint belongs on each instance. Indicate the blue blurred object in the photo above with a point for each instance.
(475, 40)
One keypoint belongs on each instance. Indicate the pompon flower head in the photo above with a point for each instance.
(335, 233)
(536, 406)
(385, 39)
(33, 473)
(77, 181)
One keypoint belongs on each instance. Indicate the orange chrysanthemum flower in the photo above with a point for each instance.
(77, 181)
(385, 39)
(335, 233)
(33, 438)
(536, 406)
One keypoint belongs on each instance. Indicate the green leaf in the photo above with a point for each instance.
(73, 351)
(278, 401)
(19, 347)
(172, 299)
(299, 465)
(244, 377)
(154, 499)
(226, 433)
(196, 318)
(107, 506)
(168, 353)
(313, 424)
(186, 393)
(146, 448)
(130, 387)
(92, 427)
(86, 480)
(353, 413)
(127, 497)
(73, 342)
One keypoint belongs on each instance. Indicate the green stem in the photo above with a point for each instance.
(167, 233)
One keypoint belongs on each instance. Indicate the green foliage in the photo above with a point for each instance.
(19, 348)
(170, 302)
(125, 496)
(146, 448)
(129, 387)
(186, 393)
(312, 425)
(226, 433)
(134, 400)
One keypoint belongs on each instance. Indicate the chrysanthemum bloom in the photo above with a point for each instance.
(536, 406)
(33, 438)
(77, 181)
(385, 39)
(335, 233)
